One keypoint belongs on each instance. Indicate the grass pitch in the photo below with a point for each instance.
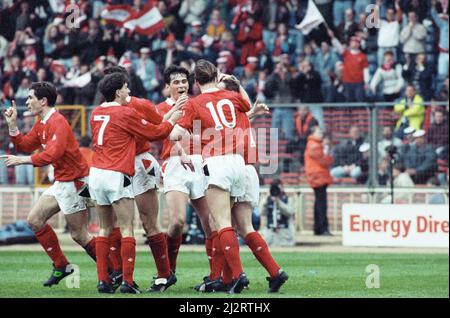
(310, 275)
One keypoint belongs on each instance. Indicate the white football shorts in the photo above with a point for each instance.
(147, 173)
(227, 172)
(177, 178)
(67, 196)
(252, 187)
(107, 186)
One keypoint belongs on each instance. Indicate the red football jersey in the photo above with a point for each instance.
(164, 108)
(114, 128)
(250, 146)
(149, 112)
(61, 150)
(220, 117)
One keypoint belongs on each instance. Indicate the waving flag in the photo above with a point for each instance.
(147, 22)
(312, 19)
(118, 14)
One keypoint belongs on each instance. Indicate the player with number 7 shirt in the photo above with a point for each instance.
(114, 128)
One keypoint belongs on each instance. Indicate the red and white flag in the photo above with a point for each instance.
(312, 19)
(147, 22)
(118, 14)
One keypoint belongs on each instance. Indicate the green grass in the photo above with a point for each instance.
(311, 275)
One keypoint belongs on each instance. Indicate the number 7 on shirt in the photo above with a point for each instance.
(105, 120)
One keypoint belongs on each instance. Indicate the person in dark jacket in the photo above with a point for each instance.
(347, 156)
(420, 160)
(420, 74)
(280, 229)
(438, 131)
(307, 84)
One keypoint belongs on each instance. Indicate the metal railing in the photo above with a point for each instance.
(14, 207)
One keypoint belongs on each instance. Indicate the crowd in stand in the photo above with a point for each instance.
(403, 60)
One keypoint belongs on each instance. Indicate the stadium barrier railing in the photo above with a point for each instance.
(16, 202)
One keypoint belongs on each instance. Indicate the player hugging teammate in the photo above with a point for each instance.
(206, 163)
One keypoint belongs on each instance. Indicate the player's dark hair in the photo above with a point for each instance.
(205, 72)
(174, 69)
(116, 69)
(110, 84)
(231, 84)
(85, 141)
(45, 89)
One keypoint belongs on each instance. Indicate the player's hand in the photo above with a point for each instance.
(182, 100)
(11, 161)
(11, 115)
(186, 162)
(176, 115)
(260, 109)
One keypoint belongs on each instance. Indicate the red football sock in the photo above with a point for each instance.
(209, 250)
(128, 253)
(230, 248)
(49, 241)
(90, 249)
(261, 251)
(158, 246)
(102, 252)
(115, 259)
(218, 260)
(173, 246)
(227, 276)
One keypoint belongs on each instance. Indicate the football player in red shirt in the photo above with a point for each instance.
(180, 183)
(61, 150)
(218, 116)
(114, 129)
(145, 188)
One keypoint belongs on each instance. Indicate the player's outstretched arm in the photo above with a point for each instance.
(139, 127)
(11, 161)
(23, 143)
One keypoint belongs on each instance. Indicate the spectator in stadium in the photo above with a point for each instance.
(317, 164)
(216, 26)
(279, 230)
(307, 84)
(355, 76)
(441, 20)
(148, 72)
(192, 10)
(249, 33)
(383, 172)
(413, 35)
(348, 28)
(437, 134)
(363, 163)
(25, 173)
(278, 90)
(407, 141)
(347, 156)
(4, 148)
(421, 75)
(325, 64)
(411, 109)
(389, 74)
(305, 124)
(442, 94)
(388, 140)
(401, 180)
(339, 10)
(420, 160)
(388, 35)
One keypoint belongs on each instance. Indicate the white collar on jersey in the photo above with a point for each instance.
(109, 104)
(49, 114)
(170, 101)
(211, 90)
(128, 99)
